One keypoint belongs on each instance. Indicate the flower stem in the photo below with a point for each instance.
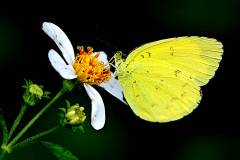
(5, 135)
(2, 154)
(20, 134)
(17, 120)
(35, 137)
(4, 127)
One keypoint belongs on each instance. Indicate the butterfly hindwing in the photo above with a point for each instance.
(159, 97)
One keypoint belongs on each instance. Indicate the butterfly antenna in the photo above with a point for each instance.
(111, 61)
(112, 46)
(108, 44)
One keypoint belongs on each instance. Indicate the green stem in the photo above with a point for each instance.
(2, 154)
(20, 134)
(34, 138)
(4, 128)
(3, 151)
(17, 120)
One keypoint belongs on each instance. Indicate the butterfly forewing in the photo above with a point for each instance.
(198, 57)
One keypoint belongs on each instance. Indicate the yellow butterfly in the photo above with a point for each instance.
(161, 80)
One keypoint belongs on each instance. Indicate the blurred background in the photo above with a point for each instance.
(211, 132)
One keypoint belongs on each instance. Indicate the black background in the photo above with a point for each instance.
(210, 132)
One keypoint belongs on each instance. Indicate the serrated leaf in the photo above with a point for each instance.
(60, 152)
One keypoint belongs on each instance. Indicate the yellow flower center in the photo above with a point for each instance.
(89, 69)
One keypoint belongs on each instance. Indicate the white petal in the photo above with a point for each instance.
(61, 39)
(102, 57)
(66, 71)
(113, 87)
(98, 109)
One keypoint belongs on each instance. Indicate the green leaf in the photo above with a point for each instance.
(81, 128)
(63, 110)
(46, 94)
(41, 86)
(4, 127)
(68, 103)
(60, 152)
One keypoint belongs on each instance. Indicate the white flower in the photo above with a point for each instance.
(74, 69)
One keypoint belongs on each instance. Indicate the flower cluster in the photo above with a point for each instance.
(89, 69)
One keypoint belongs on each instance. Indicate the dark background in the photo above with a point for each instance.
(210, 132)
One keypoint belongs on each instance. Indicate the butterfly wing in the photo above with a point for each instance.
(161, 80)
(198, 57)
(159, 96)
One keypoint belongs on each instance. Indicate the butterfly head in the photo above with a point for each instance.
(119, 61)
(118, 58)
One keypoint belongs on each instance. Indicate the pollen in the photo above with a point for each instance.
(89, 69)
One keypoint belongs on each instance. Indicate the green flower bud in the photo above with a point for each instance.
(36, 90)
(33, 93)
(72, 117)
(75, 115)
